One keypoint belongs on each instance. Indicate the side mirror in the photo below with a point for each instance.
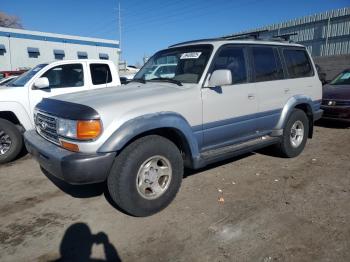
(222, 77)
(42, 83)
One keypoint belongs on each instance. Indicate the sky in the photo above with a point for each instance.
(148, 26)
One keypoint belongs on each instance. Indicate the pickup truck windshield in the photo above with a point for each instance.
(24, 78)
(182, 64)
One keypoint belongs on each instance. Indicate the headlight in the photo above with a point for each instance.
(79, 129)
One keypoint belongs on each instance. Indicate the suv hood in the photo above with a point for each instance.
(112, 98)
(341, 92)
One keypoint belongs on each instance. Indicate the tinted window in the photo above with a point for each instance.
(267, 65)
(65, 76)
(232, 58)
(100, 74)
(298, 64)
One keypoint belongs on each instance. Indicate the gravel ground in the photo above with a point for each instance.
(270, 209)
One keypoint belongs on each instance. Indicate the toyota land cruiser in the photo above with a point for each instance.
(225, 97)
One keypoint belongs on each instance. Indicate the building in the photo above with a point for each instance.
(326, 36)
(21, 49)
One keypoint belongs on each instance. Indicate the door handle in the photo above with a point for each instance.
(286, 90)
(251, 96)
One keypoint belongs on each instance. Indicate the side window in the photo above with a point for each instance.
(298, 63)
(71, 75)
(233, 59)
(100, 74)
(267, 64)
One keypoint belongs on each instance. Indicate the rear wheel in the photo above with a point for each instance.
(11, 141)
(146, 176)
(295, 134)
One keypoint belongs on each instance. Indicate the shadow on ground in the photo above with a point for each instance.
(77, 243)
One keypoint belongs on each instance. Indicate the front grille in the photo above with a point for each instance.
(330, 102)
(46, 126)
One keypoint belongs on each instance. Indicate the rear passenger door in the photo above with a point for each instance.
(272, 91)
(300, 72)
(229, 111)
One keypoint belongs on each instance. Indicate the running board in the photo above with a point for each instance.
(223, 153)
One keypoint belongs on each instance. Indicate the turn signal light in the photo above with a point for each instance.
(70, 146)
(88, 129)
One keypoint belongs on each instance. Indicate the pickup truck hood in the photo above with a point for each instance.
(10, 93)
(120, 97)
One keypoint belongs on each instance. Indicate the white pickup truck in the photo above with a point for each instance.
(18, 99)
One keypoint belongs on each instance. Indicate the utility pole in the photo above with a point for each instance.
(120, 31)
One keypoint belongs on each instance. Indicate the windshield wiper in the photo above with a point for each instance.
(170, 80)
(139, 80)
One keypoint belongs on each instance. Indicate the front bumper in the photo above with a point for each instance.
(72, 167)
(341, 113)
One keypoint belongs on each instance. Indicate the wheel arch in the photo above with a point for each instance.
(301, 102)
(166, 124)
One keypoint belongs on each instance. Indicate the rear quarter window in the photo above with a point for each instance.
(298, 63)
(100, 74)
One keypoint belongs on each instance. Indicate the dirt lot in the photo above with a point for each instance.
(274, 210)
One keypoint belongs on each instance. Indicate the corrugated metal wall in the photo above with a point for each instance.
(324, 34)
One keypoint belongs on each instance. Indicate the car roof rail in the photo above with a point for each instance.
(249, 35)
(284, 37)
(255, 35)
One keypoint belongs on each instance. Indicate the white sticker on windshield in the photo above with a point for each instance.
(345, 76)
(191, 55)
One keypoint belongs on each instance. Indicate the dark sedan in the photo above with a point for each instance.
(336, 98)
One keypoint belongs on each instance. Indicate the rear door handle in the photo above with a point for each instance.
(286, 90)
(251, 96)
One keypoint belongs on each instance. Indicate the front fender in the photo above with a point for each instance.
(19, 111)
(149, 122)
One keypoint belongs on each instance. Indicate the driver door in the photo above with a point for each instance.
(229, 111)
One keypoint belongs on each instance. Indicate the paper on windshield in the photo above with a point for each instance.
(191, 55)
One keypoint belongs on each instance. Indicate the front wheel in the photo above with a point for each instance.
(295, 134)
(146, 176)
(11, 141)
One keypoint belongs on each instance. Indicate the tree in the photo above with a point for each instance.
(10, 21)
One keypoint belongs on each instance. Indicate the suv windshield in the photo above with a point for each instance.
(342, 79)
(183, 64)
(24, 78)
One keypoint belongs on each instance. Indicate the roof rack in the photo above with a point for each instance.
(285, 37)
(255, 35)
(250, 35)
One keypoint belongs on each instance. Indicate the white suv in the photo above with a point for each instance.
(225, 98)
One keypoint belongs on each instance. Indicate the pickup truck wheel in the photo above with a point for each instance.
(146, 176)
(294, 134)
(11, 141)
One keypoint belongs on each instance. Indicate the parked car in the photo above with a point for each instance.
(18, 99)
(336, 98)
(226, 97)
(6, 80)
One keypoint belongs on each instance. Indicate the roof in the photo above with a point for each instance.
(43, 36)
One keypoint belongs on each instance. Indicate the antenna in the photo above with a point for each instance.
(120, 31)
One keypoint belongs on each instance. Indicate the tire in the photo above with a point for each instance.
(288, 146)
(133, 168)
(11, 141)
